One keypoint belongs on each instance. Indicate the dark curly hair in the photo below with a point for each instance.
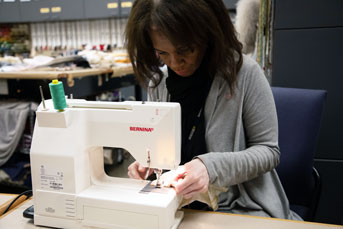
(204, 23)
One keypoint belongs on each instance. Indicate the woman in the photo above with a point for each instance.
(229, 123)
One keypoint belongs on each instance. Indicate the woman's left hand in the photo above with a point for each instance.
(194, 179)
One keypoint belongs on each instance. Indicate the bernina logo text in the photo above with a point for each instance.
(141, 129)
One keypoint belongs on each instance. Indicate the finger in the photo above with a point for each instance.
(184, 183)
(142, 169)
(134, 174)
(133, 171)
(133, 166)
(181, 173)
(146, 174)
(181, 185)
(180, 176)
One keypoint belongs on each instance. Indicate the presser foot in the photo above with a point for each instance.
(151, 187)
(158, 173)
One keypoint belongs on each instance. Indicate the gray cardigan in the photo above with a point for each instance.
(242, 143)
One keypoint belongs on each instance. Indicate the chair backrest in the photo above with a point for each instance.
(299, 115)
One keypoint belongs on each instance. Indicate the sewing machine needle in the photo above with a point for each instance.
(42, 96)
(158, 173)
(148, 161)
(147, 174)
(158, 185)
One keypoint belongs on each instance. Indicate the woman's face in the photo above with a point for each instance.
(184, 61)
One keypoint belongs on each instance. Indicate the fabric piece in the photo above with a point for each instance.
(12, 123)
(210, 197)
(265, 37)
(17, 171)
(246, 24)
(242, 143)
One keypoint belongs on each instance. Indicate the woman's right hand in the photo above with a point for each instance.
(136, 171)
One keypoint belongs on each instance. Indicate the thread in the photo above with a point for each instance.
(57, 95)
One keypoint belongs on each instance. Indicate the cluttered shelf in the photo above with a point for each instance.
(84, 75)
(49, 74)
(53, 74)
(85, 63)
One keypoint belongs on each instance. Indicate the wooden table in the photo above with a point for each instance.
(69, 75)
(81, 83)
(192, 220)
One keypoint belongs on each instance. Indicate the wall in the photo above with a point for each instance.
(308, 53)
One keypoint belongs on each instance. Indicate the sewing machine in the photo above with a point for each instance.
(70, 187)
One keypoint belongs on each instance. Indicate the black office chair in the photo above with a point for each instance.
(299, 115)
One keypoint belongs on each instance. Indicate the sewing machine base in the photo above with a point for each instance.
(111, 203)
(59, 223)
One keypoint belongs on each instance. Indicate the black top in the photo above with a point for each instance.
(191, 92)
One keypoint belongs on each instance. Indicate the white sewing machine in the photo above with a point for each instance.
(70, 187)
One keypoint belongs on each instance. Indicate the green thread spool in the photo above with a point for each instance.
(57, 95)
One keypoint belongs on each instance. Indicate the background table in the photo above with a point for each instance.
(82, 83)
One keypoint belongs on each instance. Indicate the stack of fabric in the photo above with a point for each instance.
(265, 37)
(16, 128)
(254, 21)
